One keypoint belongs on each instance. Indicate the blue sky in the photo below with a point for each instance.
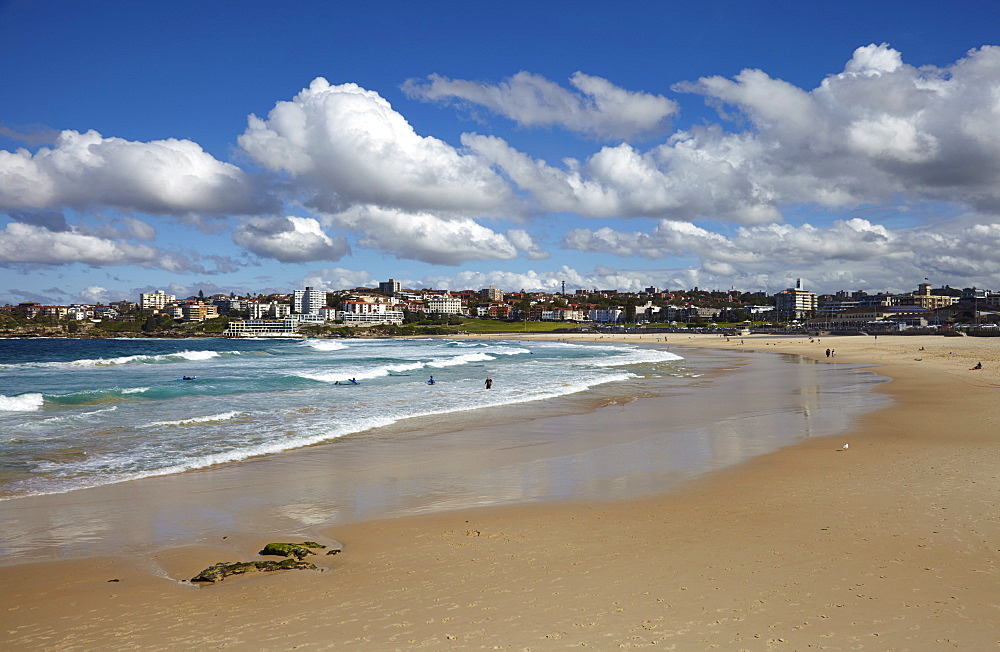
(249, 146)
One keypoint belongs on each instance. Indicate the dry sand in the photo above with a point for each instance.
(891, 544)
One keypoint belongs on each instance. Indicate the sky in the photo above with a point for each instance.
(257, 147)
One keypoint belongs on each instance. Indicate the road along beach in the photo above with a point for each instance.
(892, 543)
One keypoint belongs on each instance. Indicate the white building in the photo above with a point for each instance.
(262, 309)
(79, 312)
(155, 300)
(318, 318)
(262, 328)
(308, 301)
(606, 316)
(369, 312)
(563, 314)
(444, 304)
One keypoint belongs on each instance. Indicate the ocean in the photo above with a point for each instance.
(104, 449)
(78, 413)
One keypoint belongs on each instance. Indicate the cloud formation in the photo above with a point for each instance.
(598, 109)
(854, 252)
(28, 243)
(879, 129)
(289, 239)
(162, 177)
(431, 239)
(879, 133)
(345, 146)
(679, 180)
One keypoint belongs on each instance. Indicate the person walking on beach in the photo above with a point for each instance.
(828, 353)
(489, 383)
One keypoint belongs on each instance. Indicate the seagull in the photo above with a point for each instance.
(846, 446)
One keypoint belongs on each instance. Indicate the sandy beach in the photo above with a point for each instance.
(889, 543)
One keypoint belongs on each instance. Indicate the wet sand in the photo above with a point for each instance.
(890, 544)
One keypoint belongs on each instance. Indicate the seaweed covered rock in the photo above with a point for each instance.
(222, 570)
(297, 550)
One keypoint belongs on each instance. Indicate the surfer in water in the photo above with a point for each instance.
(430, 381)
(489, 383)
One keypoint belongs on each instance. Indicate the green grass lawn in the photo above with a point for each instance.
(493, 326)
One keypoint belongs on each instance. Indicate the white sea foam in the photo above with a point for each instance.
(499, 351)
(465, 358)
(135, 390)
(102, 410)
(636, 356)
(21, 403)
(359, 372)
(191, 356)
(325, 345)
(224, 416)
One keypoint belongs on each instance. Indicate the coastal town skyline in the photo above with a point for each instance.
(622, 148)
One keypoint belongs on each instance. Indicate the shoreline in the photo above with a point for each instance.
(609, 443)
(889, 544)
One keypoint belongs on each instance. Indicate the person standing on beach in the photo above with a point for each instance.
(489, 383)
(828, 353)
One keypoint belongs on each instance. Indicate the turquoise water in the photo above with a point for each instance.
(84, 413)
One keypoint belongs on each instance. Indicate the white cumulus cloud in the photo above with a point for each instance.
(879, 128)
(346, 146)
(27, 243)
(429, 238)
(88, 170)
(877, 131)
(684, 179)
(289, 239)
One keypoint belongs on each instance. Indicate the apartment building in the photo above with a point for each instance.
(491, 294)
(795, 303)
(390, 287)
(444, 304)
(198, 311)
(155, 300)
(369, 312)
(308, 301)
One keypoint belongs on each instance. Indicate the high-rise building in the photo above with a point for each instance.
(795, 303)
(389, 288)
(308, 301)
